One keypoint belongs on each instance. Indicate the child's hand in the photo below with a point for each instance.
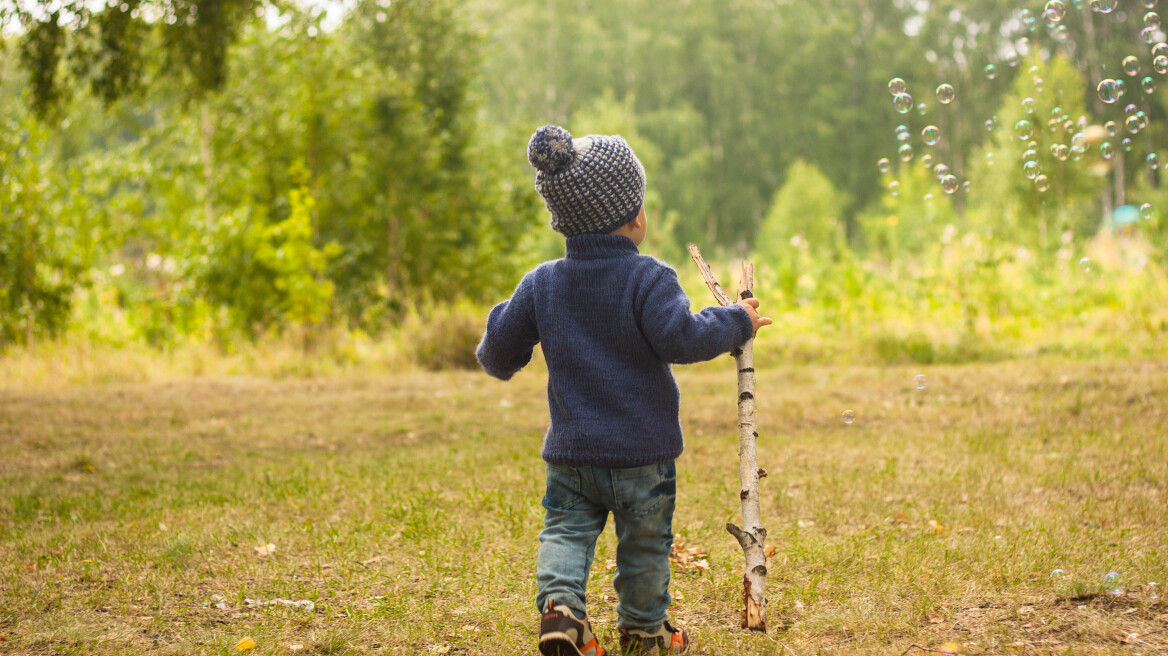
(751, 306)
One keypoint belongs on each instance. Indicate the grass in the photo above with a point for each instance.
(135, 517)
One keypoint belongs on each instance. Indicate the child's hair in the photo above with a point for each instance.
(594, 184)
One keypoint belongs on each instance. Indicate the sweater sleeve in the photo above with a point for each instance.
(682, 337)
(511, 334)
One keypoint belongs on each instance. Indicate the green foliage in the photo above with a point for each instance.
(806, 208)
(45, 247)
(269, 275)
(1018, 209)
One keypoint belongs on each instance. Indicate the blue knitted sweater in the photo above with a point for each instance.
(611, 322)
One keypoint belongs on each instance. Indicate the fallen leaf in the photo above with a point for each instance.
(295, 647)
(245, 644)
(770, 551)
(950, 648)
(936, 526)
(263, 551)
(1129, 639)
(936, 619)
(901, 517)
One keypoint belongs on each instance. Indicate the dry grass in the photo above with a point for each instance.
(407, 508)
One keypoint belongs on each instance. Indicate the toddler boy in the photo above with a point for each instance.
(611, 322)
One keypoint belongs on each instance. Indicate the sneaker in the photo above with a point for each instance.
(665, 640)
(561, 633)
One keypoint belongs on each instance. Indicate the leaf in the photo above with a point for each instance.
(950, 648)
(936, 526)
(901, 517)
(245, 644)
(265, 550)
(936, 619)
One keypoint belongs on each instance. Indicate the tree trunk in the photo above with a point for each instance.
(751, 538)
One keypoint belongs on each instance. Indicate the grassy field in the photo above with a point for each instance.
(182, 517)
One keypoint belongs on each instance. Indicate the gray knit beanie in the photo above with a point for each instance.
(595, 184)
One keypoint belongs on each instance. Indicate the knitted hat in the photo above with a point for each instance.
(595, 184)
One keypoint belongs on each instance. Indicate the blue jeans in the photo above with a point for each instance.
(578, 500)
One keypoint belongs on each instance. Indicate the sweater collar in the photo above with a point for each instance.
(591, 246)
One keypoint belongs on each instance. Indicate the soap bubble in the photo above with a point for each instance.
(931, 135)
(896, 86)
(945, 92)
(1113, 582)
(928, 199)
(1120, 86)
(1132, 123)
(991, 71)
(1079, 139)
(1085, 264)
(1037, 83)
(1130, 109)
(922, 108)
(1109, 90)
(940, 170)
(989, 158)
(965, 186)
(849, 416)
(1126, 144)
(990, 124)
(1060, 151)
(905, 152)
(1149, 4)
(1056, 573)
(883, 164)
(920, 382)
(1077, 153)
(1042, 183)
(1031, 169)
(1111, 127)
(1160, 49)
(1131, 65)
(1152, 20)
(927, 160)
(1160, 64)
(1030, 154)
(1106, 150)
(1148, 84)
(1053, 124)
(1146, 210)
(1028, 105)
(949, 183)
(1153, 161)
(1023, 129)
(1143, 118)
(902, 102)
(1104, 6)
(1054, 12)
(894, 188)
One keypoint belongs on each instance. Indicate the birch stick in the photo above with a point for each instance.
(751, 538)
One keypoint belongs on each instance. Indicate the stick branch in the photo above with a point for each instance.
(750, 538)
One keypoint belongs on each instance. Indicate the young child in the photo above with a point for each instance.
(611, 322)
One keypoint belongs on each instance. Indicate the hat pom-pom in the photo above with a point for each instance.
(550, 149)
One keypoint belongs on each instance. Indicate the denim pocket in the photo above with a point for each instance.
(642, 491)
(563, 487)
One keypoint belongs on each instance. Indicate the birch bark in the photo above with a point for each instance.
(752, 537)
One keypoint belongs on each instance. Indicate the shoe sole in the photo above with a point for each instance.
(558, 644)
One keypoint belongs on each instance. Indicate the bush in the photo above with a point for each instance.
(446, 337)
